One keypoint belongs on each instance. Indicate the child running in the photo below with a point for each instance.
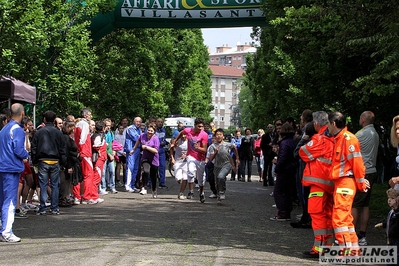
(220, 152)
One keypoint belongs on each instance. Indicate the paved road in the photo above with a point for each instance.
(131, 229)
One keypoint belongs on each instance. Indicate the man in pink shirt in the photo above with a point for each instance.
(196, 151)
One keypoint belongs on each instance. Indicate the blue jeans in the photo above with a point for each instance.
(47, 171)
(162, 169)
(108, 176)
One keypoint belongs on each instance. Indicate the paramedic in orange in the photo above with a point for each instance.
(317, 155)
(348, 174)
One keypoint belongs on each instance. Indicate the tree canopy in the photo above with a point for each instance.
(135, 72)
(325, 55)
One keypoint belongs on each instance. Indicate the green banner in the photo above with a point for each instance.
(179, 14)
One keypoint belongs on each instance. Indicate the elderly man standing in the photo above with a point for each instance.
(347, 173)
(317, 155)
(369, 141)
(12, 158)
(132, 156)
(48, 151)
(83, 141)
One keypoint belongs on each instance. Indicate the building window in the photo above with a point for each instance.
(222, 94)
(217, 58)
(234, 58)
(221, 118)
(239, 57)
(222, 81)
(221, 106)
(212, 59)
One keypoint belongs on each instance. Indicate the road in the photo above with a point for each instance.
(131, 229)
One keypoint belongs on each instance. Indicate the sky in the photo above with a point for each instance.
(222, 36)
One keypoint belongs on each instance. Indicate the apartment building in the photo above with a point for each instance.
(234, 57)
(226, 85)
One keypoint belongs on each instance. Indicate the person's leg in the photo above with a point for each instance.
(153, 174)
(103, 181)
(162, 169)
(9, 199)
(191, 174)
(27, 187)
(211, 178)
(54, 171)
(233, 174)
(88, 185)
(200, 174)
(129, 172)
(111, 175)
(242, 169)
(221, 179)
(43, 180)
(249, 166)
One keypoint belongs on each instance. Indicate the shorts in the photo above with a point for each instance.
(27, 171)
(362, 199)
(195, 170)
(180, 169)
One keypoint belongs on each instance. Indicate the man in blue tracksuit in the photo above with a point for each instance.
(132, 158)
(161, 134)
(13, 155)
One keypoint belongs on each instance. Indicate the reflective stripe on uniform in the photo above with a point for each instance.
(345, 191)
(354, 155)
(324, 160)
(318, 180)
(360, 180)
(310, 156)
(341, 229)
(320, 232)
(316, 194)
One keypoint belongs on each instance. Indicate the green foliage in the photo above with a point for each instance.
(133, 72)
(325, 55)
(152, 72)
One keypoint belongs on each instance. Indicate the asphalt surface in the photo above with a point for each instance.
(131, 229)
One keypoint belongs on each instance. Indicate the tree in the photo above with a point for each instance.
(147, 72)
(308, 59)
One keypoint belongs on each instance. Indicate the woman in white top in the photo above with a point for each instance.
(178, 159)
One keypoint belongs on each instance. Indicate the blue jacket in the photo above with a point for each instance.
(161, 134)
(132, 135)
(12, 140)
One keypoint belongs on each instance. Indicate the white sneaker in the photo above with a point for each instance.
(143, 192)
(362, 241)
(181, 196)
(114, 191)
(222, 196)
(274, 206)
(212, 196)
(99, 200)
(10, 239)
(129, 189)
(76, 201)
(89, 202)
(23, 208)
(103, 193)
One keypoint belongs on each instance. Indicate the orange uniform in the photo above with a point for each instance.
(348, 173)
(317, 154)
